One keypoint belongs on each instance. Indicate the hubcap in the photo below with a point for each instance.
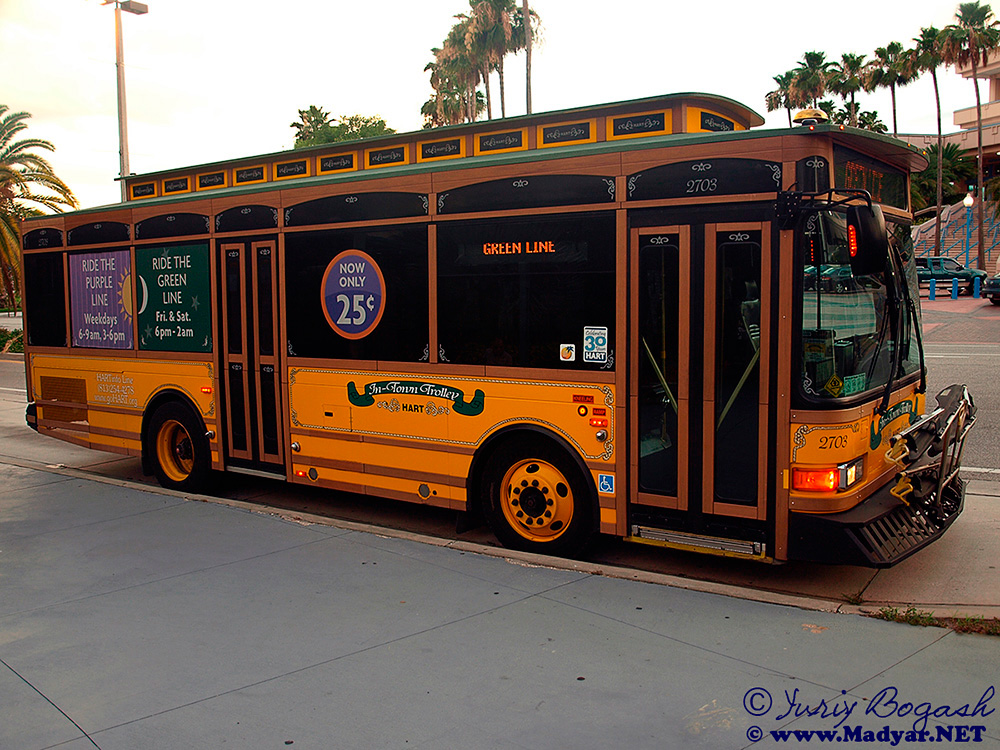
(175, 451)
(537, 500)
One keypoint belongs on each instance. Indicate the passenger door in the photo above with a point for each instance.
(250, 356)
(698, 371)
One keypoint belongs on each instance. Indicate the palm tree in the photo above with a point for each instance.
(447, 106)
(783, 96)
(870, 121)
(889, 69)
(454, 77)
(22, 174)
(969, 41)
(494, 32)
(846, 80)
(927, 56)
(811, 77)
(954, 167)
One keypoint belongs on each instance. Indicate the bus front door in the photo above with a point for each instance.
(698, 384)
(250, 356)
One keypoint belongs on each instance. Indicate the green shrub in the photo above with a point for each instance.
(11, 341)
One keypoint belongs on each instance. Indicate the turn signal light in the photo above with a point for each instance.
(206, 389)
(841, 477)
(852, 240)
(815, 480)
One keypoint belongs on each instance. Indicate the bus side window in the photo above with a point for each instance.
(46, 313)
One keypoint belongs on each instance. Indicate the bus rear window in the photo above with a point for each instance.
(46, 299)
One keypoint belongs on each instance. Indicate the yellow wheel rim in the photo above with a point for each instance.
(537, 500)
(175, 451)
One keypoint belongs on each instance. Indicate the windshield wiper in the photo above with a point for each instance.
(892, 303)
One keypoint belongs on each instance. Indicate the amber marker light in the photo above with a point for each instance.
(207, 390)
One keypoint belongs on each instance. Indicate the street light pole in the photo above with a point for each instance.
(967, 201)
(138, 9)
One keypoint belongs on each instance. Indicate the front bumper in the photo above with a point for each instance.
(925, 498)
(878, 533)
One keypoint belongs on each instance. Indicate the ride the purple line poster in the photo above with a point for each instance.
(101, 305)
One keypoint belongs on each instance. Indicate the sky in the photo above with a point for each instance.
(209, 80)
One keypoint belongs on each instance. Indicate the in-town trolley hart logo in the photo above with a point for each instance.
(471, 408)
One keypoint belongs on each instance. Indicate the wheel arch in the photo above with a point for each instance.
(166, 396)
(511, 434)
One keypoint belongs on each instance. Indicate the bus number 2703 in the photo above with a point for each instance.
(833, 441)
(705, 185)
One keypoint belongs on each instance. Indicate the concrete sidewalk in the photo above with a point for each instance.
(133, 619)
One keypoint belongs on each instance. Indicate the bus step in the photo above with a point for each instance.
(697, 543)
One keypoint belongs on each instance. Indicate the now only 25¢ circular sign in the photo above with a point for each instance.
(354, 295)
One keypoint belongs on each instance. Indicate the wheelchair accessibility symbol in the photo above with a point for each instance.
(606, 484)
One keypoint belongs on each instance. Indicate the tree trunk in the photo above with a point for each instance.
(503, 103)
(981, 254)
(940, 170)
(489, 100)
(527, 49)
(892, 88)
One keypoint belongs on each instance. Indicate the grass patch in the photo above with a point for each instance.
(856, 598)
(11, 341)
(913, 616)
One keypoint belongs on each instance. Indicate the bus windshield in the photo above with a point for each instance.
(855, 328)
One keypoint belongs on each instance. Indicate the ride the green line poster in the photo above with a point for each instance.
(174, 297)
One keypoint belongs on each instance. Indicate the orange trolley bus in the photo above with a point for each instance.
(644, 319)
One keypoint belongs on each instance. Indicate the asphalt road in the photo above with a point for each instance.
(961, 346)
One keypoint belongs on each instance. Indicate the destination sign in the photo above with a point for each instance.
(855, 171)
(528, 247)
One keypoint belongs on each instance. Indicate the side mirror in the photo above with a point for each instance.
(867, 240)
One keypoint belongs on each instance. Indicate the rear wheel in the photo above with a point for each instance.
(536, 499)
(179, 448)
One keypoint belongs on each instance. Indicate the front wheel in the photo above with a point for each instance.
(536, 499)
(179, 448)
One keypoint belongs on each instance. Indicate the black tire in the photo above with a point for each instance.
(995, 300)
(178, 448)
(535, 498)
